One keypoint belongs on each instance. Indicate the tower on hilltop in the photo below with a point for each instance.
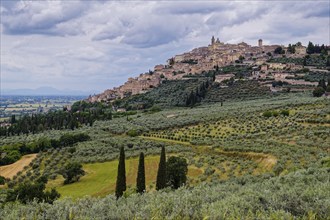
(260, 42)
(212, 40)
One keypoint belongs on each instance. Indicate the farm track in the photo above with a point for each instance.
(8, 171)
(267, 161)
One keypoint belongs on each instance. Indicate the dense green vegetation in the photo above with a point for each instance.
(82, 113)
(169, 93)
(2, 180)
(192, 91)
(311, 48)
(176, 172)
(171, 173)
(32, 191)
(238, 90)
(302, 194)
(195, 89)
(316, 76)
(309, 60)
(72, 172)
(10, 153)
(256, 158)
(321, 88)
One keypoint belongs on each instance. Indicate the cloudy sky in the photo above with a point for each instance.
(96, 45)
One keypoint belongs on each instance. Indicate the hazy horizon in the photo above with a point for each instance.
(48, 91)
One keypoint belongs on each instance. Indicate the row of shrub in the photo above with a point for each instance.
(13, 152)
(300, 195)
(275, 113)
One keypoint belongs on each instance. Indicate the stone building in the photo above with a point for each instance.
(300, 50)
(196, 61)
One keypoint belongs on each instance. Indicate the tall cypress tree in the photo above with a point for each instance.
(161, 175)
(141, 179)
(322, 83)
(121, 176)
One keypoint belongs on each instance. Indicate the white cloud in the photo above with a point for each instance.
(84, 53)
(99, 44)
(40, 16)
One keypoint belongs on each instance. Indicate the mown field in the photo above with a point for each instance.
(8, 171)
(258, 159)
(100, 178)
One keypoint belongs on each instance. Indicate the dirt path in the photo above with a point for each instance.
(9, 171)
(267, 161)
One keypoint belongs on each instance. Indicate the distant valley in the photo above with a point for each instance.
(46, 91)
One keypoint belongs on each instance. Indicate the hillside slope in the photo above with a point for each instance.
(202, 89)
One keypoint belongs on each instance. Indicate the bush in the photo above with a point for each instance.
(2, 180)
(51, 196)
(318, 91)
(155, 108)
(267, 114)
(275, 113)
(176, 171)
(27, 192)
(70, 139)
(133, 133)
(285, 112)
(209, 171)
(72, 172)
(328, 88)
(10, 157)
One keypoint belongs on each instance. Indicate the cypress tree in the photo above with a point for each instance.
(305, 62)
(322, 84)
(141, 180)
(161, 174)
(328, 61)
(121, 176)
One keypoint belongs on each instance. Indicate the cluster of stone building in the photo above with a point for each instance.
(197, 61)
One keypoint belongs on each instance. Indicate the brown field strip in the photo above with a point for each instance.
(8, 171)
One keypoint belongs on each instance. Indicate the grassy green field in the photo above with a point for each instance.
(100, 178)
(4, 119)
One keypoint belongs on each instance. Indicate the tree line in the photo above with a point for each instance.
(321, 88)
(311, 48)
(81, 113)
(197, 95)
(171, 173)
(13, 152)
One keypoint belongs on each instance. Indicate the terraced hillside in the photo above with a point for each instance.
(177, 92)
(243, 155)
(239, 90)
(169, 93)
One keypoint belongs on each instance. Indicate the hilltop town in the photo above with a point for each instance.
(214, 56)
